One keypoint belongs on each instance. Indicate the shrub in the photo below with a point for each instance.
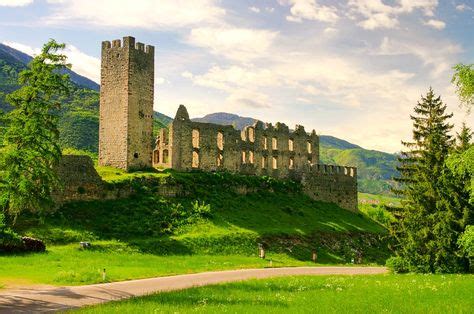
(9, 240)
(397, 264)
(466, 244)
(466, 241)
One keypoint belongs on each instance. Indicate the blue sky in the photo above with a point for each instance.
(350, 68)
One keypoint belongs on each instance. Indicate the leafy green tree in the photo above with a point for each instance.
(429, 224)
(30, 146)
(463, 78)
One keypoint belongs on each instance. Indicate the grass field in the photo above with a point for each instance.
(326, 294)
(213, 227)
(67, 265)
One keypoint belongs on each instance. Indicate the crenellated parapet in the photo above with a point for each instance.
(128, 43)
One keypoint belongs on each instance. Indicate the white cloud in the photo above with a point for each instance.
(463, 7)
(233, 43)
(15, 3)
(330, 31)
(82, 63)
(254, 9)
(376, 14)
(149, 14)
(436, 24)
(187, 74)
(379, 20)
(248, 98)
(310, 10)
(440, 60)
(23, 48)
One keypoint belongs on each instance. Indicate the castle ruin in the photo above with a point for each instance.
(126, 118)
(126, 104)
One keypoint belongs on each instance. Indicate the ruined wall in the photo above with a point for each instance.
(333, 184)
(79, 179)
(126, 104)
(256, 150)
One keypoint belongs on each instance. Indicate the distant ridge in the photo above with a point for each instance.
(12, 55)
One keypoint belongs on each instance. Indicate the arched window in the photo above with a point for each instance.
(291, 145)
(251, 157)
(274, 143)
(309, 147)
(292, 163)
(220, 160)
(264, 162)
(251, 135)
(274, 163)
(165, 156)
(220, 140)
(195, 138)
(244, 157)
(195, 163)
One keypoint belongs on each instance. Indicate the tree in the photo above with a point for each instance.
(463, 78)
(429, 225)
(463, 138)
(30, 147)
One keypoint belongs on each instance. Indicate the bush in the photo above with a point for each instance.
(12, 242)
(397, 265)
(466, 241)
(9, 240)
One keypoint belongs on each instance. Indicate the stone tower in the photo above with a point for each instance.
(126, 104)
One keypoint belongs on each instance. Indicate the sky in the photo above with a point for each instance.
(353, 69)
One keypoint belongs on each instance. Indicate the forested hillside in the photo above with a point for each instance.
(79, 126)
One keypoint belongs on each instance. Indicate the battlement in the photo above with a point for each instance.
(129, 43)
(334, 169)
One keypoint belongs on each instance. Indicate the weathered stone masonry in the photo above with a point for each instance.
(126, 104)
(125, 136)
(259, 149)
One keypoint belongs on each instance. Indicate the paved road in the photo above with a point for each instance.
(60, 298)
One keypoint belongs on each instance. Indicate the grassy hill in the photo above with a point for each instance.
(211, 225)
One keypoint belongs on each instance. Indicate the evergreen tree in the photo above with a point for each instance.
(428, 225)
(30, 145)
(463, 139)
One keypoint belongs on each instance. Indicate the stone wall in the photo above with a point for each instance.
(79, 180)
(126, 104)
(332, 184)
(260, 149)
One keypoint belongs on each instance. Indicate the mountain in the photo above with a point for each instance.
(375, 169)
(225, 118)
(19, 60)
(79, 126)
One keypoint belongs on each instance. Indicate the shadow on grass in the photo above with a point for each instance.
(285, 220)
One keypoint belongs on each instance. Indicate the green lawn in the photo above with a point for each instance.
(326, 294)
(149, 235)
(68, 265)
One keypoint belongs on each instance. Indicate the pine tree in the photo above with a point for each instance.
(426, 230)
(30, 145)
(463, 138)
